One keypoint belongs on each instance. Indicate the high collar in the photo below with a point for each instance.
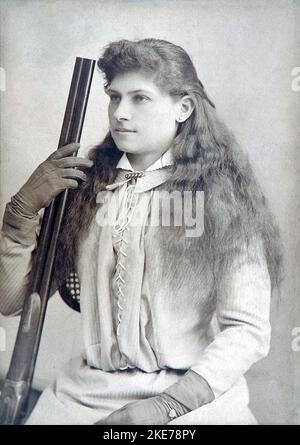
(165, 160)
(155, 175)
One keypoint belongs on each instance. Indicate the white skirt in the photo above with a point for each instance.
(82, 395)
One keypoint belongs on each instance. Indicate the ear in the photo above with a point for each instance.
(185, 108)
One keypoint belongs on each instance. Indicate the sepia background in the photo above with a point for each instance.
(245, 54)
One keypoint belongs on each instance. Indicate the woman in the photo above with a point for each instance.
(171, 319)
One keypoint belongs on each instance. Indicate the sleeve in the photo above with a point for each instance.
(243, 310)
(17, 245)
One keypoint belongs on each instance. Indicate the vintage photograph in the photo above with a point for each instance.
(149, 178)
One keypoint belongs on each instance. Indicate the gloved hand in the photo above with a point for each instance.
(50, 178)
(158, 410)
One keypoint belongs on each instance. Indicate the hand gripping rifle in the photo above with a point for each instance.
(17, 385)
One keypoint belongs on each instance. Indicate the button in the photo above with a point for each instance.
(172, 413)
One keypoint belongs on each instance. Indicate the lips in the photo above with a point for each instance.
(124, 130)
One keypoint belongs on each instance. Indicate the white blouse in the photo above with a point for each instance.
(127, 324)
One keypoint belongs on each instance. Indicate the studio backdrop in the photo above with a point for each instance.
(247, 55)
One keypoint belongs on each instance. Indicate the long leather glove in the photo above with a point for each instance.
(158, 410)
(57, 173)
(189, 393)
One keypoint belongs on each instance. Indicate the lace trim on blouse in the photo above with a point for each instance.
(120, 232)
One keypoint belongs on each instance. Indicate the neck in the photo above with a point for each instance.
(143, 161)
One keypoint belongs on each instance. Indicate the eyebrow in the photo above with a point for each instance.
(109, 90)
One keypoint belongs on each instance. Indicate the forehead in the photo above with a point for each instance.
(134, 81)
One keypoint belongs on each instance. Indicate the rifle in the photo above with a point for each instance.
(17, 385)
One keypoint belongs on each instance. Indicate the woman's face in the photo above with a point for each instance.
(142, 118)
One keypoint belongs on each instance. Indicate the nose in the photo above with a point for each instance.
(122, 111)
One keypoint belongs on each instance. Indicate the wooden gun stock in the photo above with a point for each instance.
(17, 384)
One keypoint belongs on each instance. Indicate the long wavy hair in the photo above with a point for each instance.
(205, 154)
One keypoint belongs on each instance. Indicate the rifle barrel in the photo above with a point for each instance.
(18, 381)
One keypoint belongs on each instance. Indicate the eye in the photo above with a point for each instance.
(140, 98)
(115, 98)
